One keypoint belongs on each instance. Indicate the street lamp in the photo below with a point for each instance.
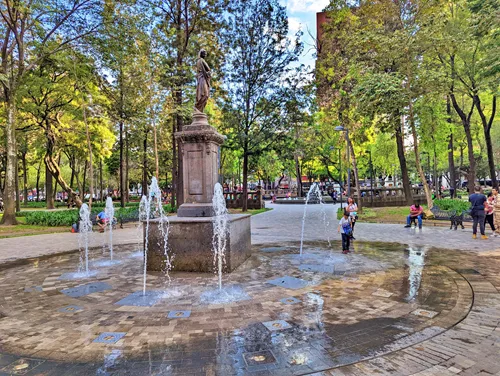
(371, 177)
(340, 128)
(340, 174)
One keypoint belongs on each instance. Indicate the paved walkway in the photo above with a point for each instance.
(23, 247)
(472, 347)
(283, 223)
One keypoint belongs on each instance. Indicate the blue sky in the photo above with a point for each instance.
(302, 15)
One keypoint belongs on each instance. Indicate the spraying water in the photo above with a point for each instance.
(314, 193)
(219, 239)
(110, 213)
(83, 235)
(153, 208)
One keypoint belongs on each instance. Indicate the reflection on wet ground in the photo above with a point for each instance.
(282, 314)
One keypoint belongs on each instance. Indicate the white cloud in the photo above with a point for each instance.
(306, 6)
(294, 25)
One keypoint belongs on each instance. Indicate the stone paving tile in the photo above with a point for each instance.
(339, 320)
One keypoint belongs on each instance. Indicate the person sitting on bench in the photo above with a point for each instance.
(416, 212)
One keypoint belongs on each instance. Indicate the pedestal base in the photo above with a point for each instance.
(190, 243)
(196, 210)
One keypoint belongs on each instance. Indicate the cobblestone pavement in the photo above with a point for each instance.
(23, 247)
(285, 221)
(384, 309)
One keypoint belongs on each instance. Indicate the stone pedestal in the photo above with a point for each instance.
(191, 231)
(190, 243)
(200, 156)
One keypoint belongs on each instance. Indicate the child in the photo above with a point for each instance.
(345, 230)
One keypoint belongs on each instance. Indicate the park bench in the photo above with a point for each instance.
(452, 216)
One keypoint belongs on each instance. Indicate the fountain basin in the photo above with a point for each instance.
(190, 244)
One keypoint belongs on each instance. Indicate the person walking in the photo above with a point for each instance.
(496, 209)
(477, 200)
(488, 211)
(352, 209)
(345, 231)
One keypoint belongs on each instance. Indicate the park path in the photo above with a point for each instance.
(282, 224)
(23, 247)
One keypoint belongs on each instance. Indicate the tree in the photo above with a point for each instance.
(258, 62)
(33, 31)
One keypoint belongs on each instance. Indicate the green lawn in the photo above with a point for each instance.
(22, 229)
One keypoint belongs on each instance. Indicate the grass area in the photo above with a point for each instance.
(250, 211)
(389, 214)
(22, 229)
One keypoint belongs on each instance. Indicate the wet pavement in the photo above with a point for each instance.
(383, 309)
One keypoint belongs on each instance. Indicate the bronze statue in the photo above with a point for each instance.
(203, 85)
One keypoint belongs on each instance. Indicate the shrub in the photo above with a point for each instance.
(51, 218)
(452, 204)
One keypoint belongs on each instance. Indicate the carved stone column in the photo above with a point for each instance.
(200, 144)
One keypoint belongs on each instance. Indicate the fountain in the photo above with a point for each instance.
(220, 230)
(83, 235)
(314, 194)
(191, 231)
(153, 207)
(110, 213)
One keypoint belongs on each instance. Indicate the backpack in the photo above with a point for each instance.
(347, 228)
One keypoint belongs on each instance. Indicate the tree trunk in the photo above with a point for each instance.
(101, 196)
(402, 163)
(127, 197)
(85, 179)
(451, 148)
(18, 203)
(122, 174)
(145, 163)
(25, 179)
(157, 164)
(54, 185)
(49, 198)
(53, 168)
(91, 172)
(9, 215)
(471, 177)
(487, 135)
(299, 176)
(356, 177)
(38, 181)
(421, 173)
(245, 178)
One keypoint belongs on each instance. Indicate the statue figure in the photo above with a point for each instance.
(203, 85)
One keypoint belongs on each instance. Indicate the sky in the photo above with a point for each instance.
(302, 15)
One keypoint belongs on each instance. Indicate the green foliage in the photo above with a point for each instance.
(52, 218)
(450, 204)
(70, 216)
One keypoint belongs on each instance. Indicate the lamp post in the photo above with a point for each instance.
(371, 177)
(340, 128)
(340, 174)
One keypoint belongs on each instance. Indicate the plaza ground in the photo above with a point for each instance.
(359, 314)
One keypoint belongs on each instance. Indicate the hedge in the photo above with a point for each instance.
(69, 216)
(451, 204)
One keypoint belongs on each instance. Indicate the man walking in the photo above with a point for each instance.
(477, 200)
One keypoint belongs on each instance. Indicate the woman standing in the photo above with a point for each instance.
(352, 208)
